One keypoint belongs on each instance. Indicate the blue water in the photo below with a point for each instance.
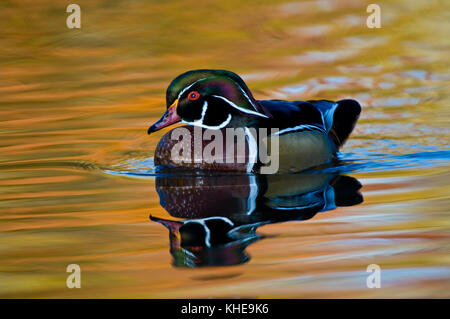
(360, 160)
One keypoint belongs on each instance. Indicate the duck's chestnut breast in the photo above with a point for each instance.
(192, 147)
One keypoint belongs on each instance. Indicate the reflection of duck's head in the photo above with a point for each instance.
(223, 212)
(206, 242)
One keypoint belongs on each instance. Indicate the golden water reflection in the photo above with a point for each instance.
(75, 105)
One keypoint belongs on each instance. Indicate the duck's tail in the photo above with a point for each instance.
(339, 118)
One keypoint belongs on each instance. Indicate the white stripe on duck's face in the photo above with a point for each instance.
(242, 109)
(202, 122)
(189, 86)
(212, 102)
(217, 116)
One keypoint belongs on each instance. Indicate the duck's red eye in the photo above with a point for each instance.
(194, 95)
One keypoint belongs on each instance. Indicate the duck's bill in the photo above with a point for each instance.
(169, 117)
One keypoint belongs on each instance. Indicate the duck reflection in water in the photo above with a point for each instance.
(221, 213)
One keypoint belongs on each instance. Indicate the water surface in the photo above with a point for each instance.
(78, 183)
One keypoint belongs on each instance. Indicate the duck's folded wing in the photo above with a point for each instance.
(339, 118)
(327, 109)
(290, 114)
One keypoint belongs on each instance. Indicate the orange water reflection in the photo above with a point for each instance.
(74, 103)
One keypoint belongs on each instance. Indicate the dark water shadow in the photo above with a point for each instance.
(222, 213)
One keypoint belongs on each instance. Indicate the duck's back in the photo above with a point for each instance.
(336, 118)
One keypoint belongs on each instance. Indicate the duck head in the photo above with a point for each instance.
(212, 99)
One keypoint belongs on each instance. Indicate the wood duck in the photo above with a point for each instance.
(310, 132)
